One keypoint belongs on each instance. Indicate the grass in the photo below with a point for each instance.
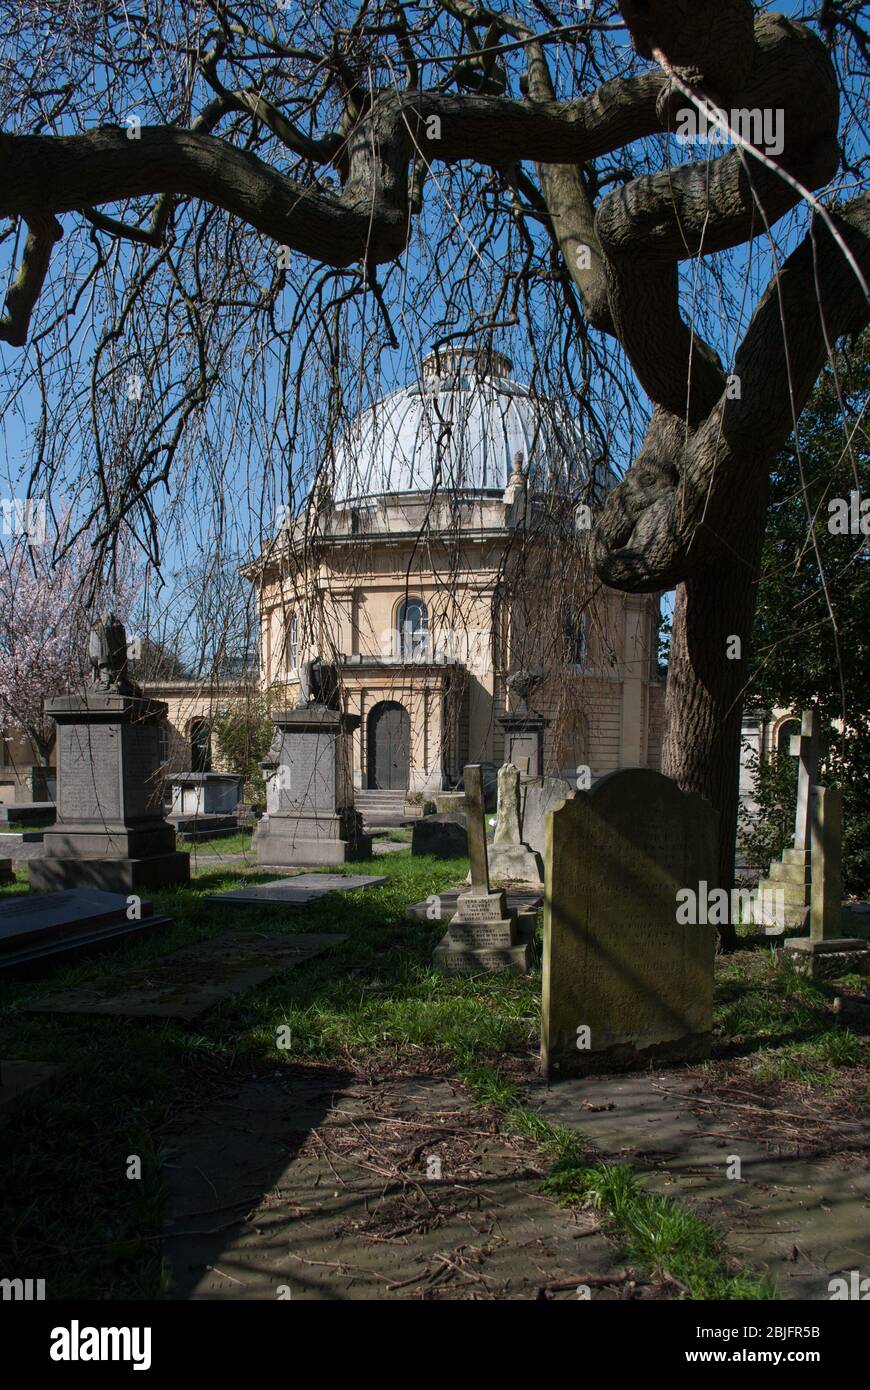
(235, 842)
(783, 1022)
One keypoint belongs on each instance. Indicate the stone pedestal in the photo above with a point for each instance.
(310, 816)
(110, 831)
(786, 887)
(482, 936)
(524, 738)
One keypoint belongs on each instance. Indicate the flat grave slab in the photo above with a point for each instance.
(295, 892)
(186, 982)
(519, 900)
(51, 928)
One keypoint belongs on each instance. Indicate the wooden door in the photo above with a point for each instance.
(389, 746)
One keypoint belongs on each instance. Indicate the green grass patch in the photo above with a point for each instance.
(234, 842)
(656, 1235)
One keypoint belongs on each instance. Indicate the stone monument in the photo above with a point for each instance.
(625, 984)
(510, 859)
(310, 816)
(826, 953)
(788, 879)
(110, 832)
(523, 729)
(484, 934)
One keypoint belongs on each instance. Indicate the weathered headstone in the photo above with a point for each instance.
(482, 936)
(787, 884)
(826, 953)
(442, 836)
(510, 858)
(310, 816)
(540, 796)
(625, 983)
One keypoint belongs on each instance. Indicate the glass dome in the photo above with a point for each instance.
(462, 429)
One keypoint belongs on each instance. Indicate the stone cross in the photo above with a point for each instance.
(827, 849)
(805, 746)
(474, 824)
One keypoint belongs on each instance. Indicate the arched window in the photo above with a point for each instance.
(200, 746)
(784, 733)
(413, 625)
(576, 645)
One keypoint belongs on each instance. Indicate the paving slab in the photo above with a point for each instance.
(805, 1220)
(296, 891)
(186, 982)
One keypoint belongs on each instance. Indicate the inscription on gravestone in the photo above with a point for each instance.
(88, 784)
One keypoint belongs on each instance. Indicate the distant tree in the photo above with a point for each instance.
(243, 731)
(44, 628)
(158, 662)
(811, 640)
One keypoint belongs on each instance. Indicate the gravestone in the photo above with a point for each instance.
(510, 858)
(41, 932)
(788, 880)
(310, 816)
(826, 953)
(442, 836)
(110, 831)
(626, 985)
(6, 874)
(539, 797)
(482, 935)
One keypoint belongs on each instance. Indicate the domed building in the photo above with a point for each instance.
(442, 566)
